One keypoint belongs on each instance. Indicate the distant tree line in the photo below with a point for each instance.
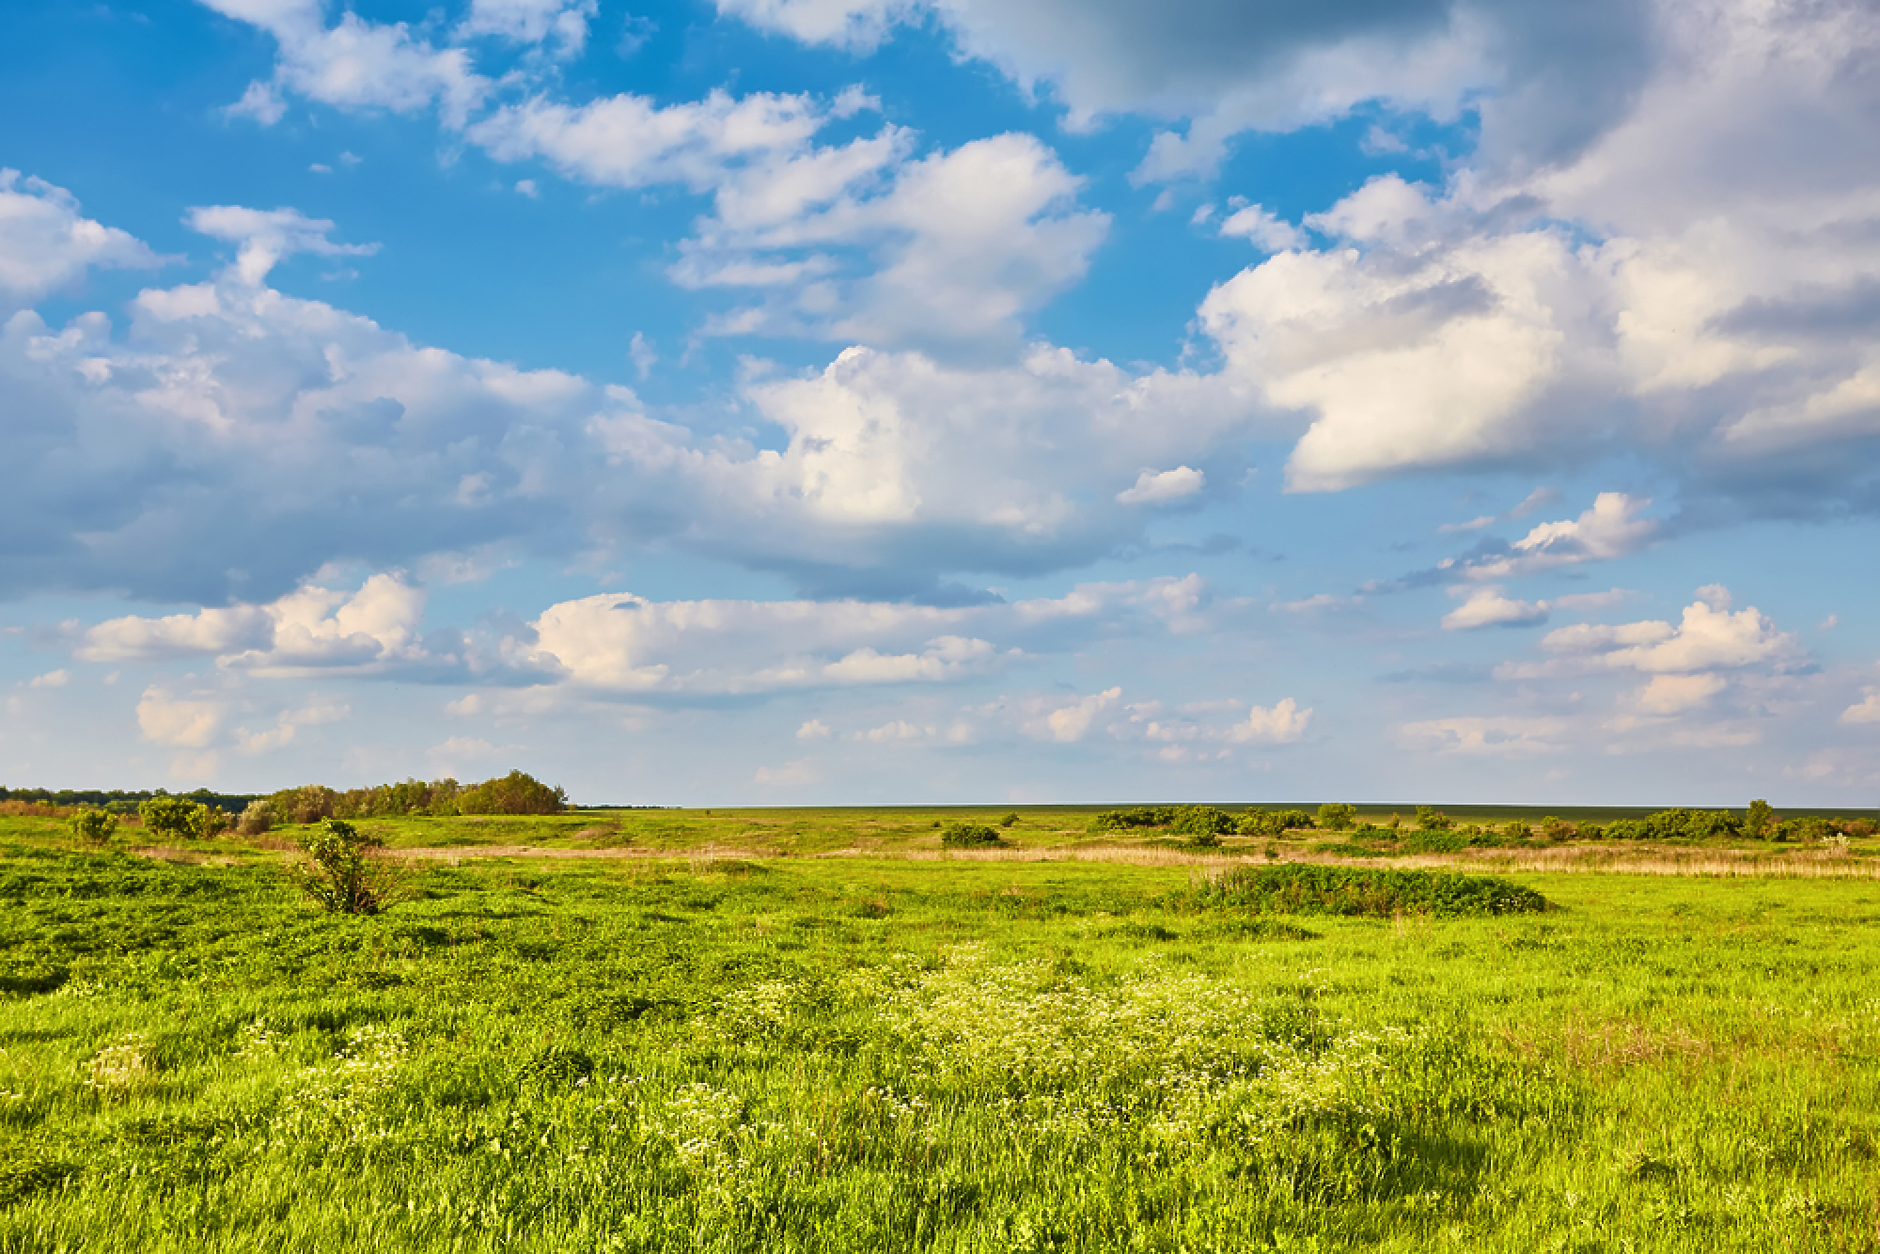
(1436, 830)
(95, 814)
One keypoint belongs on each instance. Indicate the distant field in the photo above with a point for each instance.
(816, 1030)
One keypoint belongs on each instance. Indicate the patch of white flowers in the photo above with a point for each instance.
(337, 1103)
(121, 1068)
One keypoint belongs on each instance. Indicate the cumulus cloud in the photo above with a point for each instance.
(1284, 724)
(1160, 487)
(1067, 722)
(269, 236)
(311, 628)
(561, 23)
(1263, 229)
(1866, 710)
(185, 722)
(1487, 607)
(355, 63)
(1484, 737)
(1709, 638)
(46, 243)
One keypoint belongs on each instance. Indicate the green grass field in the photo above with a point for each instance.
(809, 1030)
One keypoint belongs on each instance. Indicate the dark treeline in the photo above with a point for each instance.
(514, 793)
(123, 801)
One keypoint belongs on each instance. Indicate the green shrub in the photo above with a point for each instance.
(1337, 816)
(1302, 888)
(969, 836)
(1008, 820)
(178, 818)
(514, 793)
(1205, 824)
(94, 827)
(1430, 819)
(339, 873)
(1141, 816)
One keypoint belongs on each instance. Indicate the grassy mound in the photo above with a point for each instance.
(1299, 888)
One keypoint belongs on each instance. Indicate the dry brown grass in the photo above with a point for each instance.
(1604, 1045)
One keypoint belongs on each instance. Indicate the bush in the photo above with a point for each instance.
(94, 827)
(257, 819)
(1302, 888)
(969, 836)
(514, 793)
(1141, 816)
(1337, 816)
(171, 818)
(1008, 820)
(1430, 819)
(339, 874)
(1206, 824)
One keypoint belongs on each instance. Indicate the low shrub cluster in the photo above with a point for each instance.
(969, 836)
(514, 793)
(1301, 888)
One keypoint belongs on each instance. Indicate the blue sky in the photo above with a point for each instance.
(787, 401)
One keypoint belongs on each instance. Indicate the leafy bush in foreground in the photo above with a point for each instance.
(969, 836)
(1300, 888)
(94, 826)
(338, 874)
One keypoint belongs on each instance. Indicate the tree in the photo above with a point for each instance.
(94, 827)
(1337, 816)
(169, 818)
(1430, 819)
(1757, 822)
(514, 793)
(338, 873)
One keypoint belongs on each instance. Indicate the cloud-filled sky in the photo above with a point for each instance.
(777, 401)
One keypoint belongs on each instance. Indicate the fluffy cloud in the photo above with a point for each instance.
(184, 722)
(1065, 722)
(955, 246)
(1866, 710)
(47, 244)
(1284, 724)
(312, 627)
(1709, 638)
(1705, 298)
(563, 23)
(1160, 487)
(1486, 737)
(355, 64)
(269, 236)
(1487, 607)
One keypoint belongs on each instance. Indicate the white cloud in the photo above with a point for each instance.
(47, 244)
(311, 628)
(1160, 487)
(1708, 639)
(814, 729)
(269, 236)
(354, 64)
(51, 679)
(1488, 737)
(287, 726)
(563, 23)
(1866, 710)
(800, 773)
(855, 24)
(1284, 724)
(183, 722)
(1487, 607)
(1065, 722)
(1262, 228)
(1677, 694)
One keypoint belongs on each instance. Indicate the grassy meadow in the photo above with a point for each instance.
(820, 1031)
